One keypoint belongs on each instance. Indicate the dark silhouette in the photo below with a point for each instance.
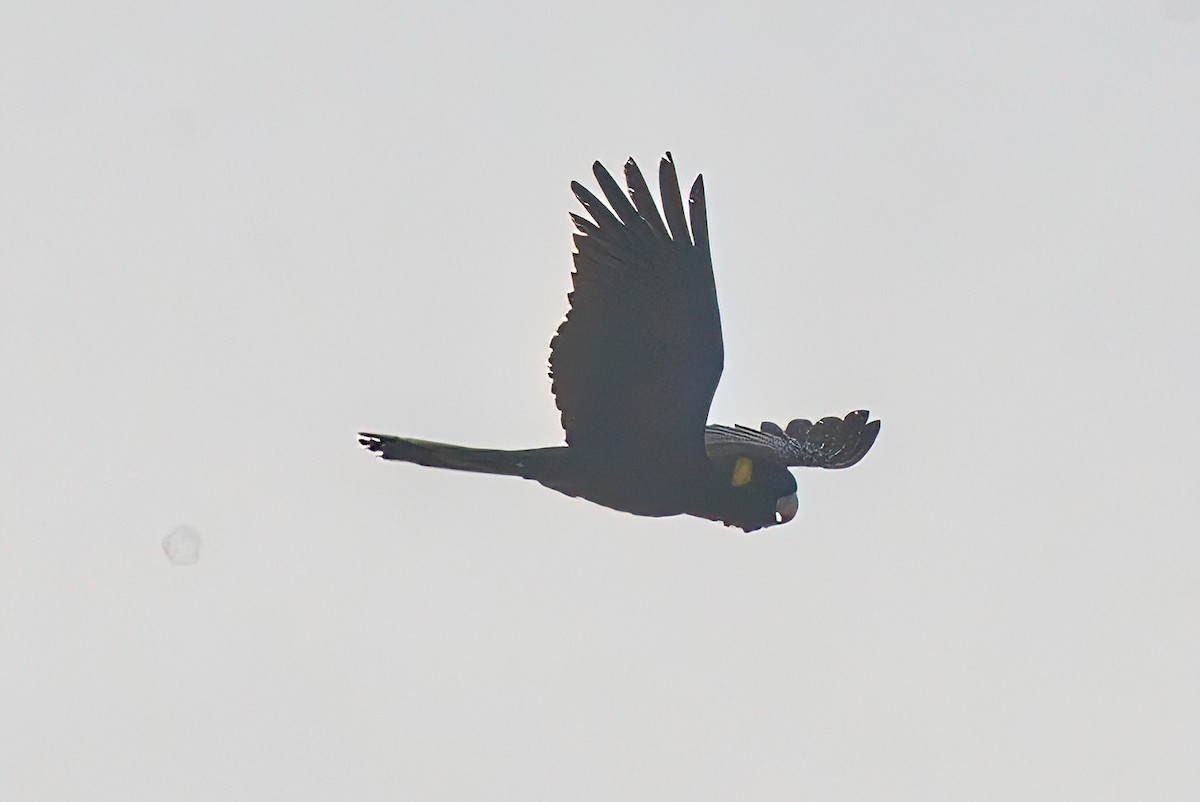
(634, 368)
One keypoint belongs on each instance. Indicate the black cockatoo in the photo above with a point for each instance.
(634, 367)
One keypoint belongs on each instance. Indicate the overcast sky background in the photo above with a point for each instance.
(235, 235)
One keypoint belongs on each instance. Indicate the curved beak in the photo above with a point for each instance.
(786, 508)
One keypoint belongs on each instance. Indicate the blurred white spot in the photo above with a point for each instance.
(182, 545)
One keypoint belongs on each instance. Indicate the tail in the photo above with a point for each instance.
(457, 458)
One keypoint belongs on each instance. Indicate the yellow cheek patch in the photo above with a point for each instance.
(743, 471)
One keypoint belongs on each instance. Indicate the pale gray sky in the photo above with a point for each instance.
(233, 236)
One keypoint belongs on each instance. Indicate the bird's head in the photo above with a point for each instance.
(749, 491)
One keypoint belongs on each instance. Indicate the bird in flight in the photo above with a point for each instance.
(634, 367)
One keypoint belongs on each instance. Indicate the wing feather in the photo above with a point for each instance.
(605, 221)
(636, 362)
(643, 200)
(618, 200)
(829, 443)
(699, 215)
(668, 188)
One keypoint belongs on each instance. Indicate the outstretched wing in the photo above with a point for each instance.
(636, 362)
(829, 443)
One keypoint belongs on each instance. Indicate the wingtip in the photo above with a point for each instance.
(601, 172)
(874, 425)
(866, 439)
(633, 173)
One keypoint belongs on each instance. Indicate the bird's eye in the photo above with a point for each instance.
(786, 508)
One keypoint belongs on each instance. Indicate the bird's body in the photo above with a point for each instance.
(634, 368)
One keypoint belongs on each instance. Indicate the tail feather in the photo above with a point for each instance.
(444, 455)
